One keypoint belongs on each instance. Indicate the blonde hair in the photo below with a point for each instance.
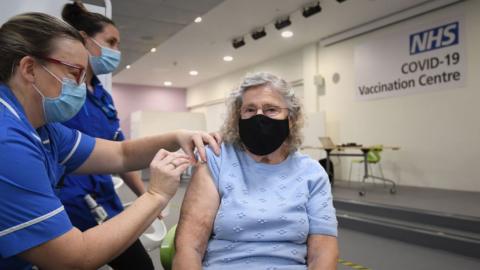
(30, 34)
(230, 130)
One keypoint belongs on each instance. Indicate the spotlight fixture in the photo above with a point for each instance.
(198, 20)
(167, 83)
(238, 42)
(311, 9)
(128, 67)
(153, 50)
(341, 1)
(193, 73)
(282, 23)
(259, 33)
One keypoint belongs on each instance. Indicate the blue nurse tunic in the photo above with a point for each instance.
(31, 163)
(97, 118)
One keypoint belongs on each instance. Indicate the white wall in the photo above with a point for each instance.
(149, 123)
(437, 131)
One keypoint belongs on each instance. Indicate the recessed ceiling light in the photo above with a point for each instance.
(193, 72)
(287, 34)
(153, 49)
(198, 20)
(128, 67)
(227, 58)
(167, 83)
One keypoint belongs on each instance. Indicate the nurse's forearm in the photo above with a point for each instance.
(112, 237)
(138, 153)
(93, 248)
(131, 155)
(134, 182)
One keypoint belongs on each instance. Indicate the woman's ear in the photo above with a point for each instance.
(83, 34)
(86, 40)
(26, 69)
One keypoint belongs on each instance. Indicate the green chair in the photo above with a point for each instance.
(373, 158)
(167, 249)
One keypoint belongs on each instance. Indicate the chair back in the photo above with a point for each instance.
(167, 249)
(373, 155)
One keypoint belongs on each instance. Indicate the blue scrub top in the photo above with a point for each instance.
(98, 118)
(31, 162)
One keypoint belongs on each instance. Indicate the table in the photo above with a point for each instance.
(364, 153)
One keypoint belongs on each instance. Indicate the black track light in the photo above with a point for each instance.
(282, 23)
(311, 10)
(238, 42)
(259, 33)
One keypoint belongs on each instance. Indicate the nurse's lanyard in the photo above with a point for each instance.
(107, 108)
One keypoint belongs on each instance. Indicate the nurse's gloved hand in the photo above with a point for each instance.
(189, 140)
(165, 170)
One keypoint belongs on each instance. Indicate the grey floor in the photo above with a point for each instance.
(379, 253)
(454, 202)
(374, 252)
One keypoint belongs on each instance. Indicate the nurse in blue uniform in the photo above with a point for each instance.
(42, 73)
(98, 118)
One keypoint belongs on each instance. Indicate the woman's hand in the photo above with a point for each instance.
(165, 170)
(189, 140)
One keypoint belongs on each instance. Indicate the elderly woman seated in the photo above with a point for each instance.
(261, 204)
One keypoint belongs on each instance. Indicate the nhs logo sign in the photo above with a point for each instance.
(435, 38)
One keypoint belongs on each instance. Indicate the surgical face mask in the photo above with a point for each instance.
(67, 104)
(262, 135)
(107, 62)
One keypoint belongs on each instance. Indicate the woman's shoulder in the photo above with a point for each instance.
(226, 150)
(305, 160)
(13, 131)
(309, 166)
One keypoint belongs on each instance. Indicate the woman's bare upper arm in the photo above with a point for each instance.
(199, 209)
(322, 251)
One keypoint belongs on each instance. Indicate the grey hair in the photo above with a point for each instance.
(230, 130)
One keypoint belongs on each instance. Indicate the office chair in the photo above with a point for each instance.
(373, 158)
(167, 249)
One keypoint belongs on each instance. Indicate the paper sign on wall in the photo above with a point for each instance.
(425, 58)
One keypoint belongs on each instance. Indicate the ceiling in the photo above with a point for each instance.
(145, 24)
(183, 45)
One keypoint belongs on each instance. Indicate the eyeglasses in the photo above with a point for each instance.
(267, 110)
(79, 77)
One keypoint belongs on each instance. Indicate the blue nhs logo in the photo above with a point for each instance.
(435, 38)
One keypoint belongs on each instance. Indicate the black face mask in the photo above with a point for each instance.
(262, 135)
